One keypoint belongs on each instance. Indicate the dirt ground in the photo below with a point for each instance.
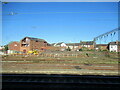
(99, 65)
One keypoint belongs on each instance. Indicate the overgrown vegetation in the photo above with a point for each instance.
(68, 49)
(5, 48)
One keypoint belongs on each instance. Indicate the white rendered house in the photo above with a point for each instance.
(113, 46)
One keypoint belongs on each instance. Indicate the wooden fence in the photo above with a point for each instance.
(59, 55)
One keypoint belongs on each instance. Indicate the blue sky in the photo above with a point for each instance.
(58, 21)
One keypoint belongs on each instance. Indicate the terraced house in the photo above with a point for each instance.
(102, 47)
(114, 46)
(87, 44)
(73, 46)
(14, 47)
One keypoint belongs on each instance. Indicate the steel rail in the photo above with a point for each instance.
(58, 81)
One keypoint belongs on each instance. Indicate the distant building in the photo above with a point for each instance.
(1, 48)
(27, 44)
(114, 46)
(60, 44)
(73, 46)
(15, 46)
(102, 46)
(88, 44)
(52, 44)
(30, 43)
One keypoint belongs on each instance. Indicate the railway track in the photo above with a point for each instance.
(32, 81)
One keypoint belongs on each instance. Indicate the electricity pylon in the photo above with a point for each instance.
(103, 35)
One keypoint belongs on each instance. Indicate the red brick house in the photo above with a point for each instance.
(15, 46)
(102, 46)
(87, 44)
(30, 43)
(73, 46)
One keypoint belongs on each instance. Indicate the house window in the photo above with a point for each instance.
(15, 45)
(25, 45)
(88, 45)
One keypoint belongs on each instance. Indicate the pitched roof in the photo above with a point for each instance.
(112, 43)
(59, 43)
(87, 42)
(102, 45)
(35, 39)
(52, 44)
(48, 44)
(73, 44)
(13, 42)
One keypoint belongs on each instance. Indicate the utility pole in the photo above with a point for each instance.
(94, 43)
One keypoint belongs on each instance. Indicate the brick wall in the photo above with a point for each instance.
(103, 47)
(23, 48)
(33, 45)
(87, 46)
(37, 45)
(14, 46)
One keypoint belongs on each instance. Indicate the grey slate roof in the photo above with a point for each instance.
(59, 43)
(101, 45)
(52, 44)
(87, 43)
(48, 44)
(73, 44)
(112, 43)
(35, 39)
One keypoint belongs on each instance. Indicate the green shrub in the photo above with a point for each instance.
(80, 49)
(105, 50)
(84, 48)
(68, 49)
(90, 50)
